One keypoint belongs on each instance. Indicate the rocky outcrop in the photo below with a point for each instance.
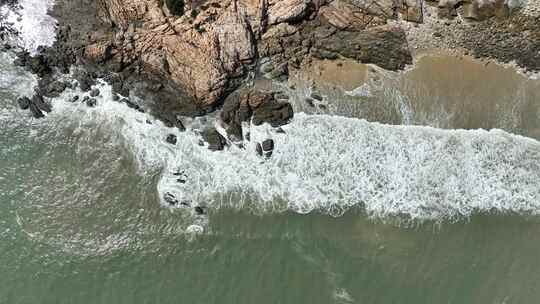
(253, 107)
(211, 48)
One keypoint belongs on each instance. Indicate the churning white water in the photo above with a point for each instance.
(36, 28)
(331, 163)
(321, 162)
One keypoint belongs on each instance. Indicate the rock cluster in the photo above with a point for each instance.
(215, 43)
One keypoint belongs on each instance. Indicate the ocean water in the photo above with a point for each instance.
(430, 209)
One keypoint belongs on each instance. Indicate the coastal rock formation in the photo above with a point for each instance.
(253, 106)
(210, 49)
(193, 53)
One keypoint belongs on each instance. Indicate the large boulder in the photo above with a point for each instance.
(385, 46)
(203, 51)
(258, 106)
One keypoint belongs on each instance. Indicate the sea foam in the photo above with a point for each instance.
(36, 28)
(331, 163)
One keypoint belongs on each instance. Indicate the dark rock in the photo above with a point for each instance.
(131, 104)
(36, 64)
(94, 93)
(309, 102)
(234, 131)
(259, 149)
(36, 112)
(170, 199)
(24, 102)
(40, 103)
(179, 125)
(385, 46)
(268, 145)
(91, 102)
(74, 98)
(172, 139)
(280, 130)
(84, 79)
(115, 97)
(316, 96)
(274, 113)
(51, 88)
(215, 141)
(232, 110)
(281, 96)
(199, 210)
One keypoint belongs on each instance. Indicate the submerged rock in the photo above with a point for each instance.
(172, 139)
(199, 210)
(91, 102)
(170, 199)
(37, 100)
(36, 112)
(24, 102)
(94, 93)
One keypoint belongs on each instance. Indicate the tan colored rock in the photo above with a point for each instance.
(286, 10)
(201, 55)
(346, 16)
(99, 51)
(483, 9)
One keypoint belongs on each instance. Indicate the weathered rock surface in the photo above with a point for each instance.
(258, 106)
(211, 48)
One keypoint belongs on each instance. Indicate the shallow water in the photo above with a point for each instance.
(346, 210)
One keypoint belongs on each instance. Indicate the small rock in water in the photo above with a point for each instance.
(309, 101)
(24, 102)
(179, 125)
(316, 96)
(94, 93)
(268, 145)
(170, 199)
(74, 98)
(40, 103)
(199, 210)
(148, 121)
(91, 102)
(280, 130)
(171, 138)
(259, 149)
(36, 112)
(115, 97)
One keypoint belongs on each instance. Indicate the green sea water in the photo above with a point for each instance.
(81, 223)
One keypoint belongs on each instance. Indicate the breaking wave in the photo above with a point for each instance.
(331, 163)
(36, 28)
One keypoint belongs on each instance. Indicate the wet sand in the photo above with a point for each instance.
(441, 90)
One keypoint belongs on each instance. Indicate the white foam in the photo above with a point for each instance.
(332, 163)
(36, 28)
